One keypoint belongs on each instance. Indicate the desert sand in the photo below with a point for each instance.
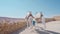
(51, 28)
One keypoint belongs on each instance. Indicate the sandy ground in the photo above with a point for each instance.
(51, 28)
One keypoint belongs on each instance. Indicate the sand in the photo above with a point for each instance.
(51, 28)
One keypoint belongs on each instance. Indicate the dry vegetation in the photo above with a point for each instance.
(57, 18)
(49, 19)
(6, 28)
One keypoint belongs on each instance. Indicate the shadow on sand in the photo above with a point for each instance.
(19, 31)
(39, 31)
(42, 31)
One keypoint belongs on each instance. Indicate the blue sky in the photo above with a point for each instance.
(19, 8)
